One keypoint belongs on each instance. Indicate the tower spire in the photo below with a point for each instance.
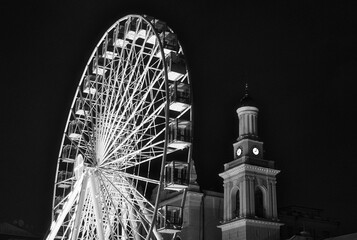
(247, 115)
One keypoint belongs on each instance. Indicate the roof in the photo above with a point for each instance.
(247, 100)
(9, 229)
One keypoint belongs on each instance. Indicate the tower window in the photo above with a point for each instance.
(259, 203)
(237, 210)
(235, 203)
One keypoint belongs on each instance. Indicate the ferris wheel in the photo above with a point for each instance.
(127, 138)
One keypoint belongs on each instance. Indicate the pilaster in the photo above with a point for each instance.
(251, 186)
(275, 211)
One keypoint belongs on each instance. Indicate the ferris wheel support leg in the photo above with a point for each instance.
(67, 206)
(183, 203)
(157, 234)
(174, 236)
(146, 214)
(96, 205)
(77, 220)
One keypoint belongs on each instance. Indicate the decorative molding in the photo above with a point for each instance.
(240, 222)
(244, 168)
(247, 109)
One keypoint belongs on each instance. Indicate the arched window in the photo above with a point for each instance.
(259, 203)
(235, 202)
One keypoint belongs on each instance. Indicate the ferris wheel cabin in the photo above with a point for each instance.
(69, 154)
(75, 129)
(170, 219)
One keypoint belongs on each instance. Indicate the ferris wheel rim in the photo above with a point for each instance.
(78, 89)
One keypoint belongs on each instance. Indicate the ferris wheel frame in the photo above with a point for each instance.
(94, 170)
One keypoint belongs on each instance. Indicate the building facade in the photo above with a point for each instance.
(201, 214)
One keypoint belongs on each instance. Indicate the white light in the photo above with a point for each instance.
(109, 55)
(166, 52)
(152, 39)
(90, 90)
(142, 33)
(175, 187)
(82, 112)
(120, 43)
(130, 35)
(75, 136)
(178, 107)
(179, 145)
(174, 76)
(99, 71)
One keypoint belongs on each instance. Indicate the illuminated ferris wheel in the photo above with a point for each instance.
(127, 138)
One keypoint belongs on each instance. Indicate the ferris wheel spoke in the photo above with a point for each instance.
(122, 195)
(115, 209)
(143, 161)
(127, 63)
(111, 211)
(144, 121)
(80, 145)
(130, 81)
(109, 101)
(137, 203)
(148, 144)
(128, 126)
(135, 108)
(126, 157)
(140, 178)
(150, 117)
(132, 220)
(148, 217)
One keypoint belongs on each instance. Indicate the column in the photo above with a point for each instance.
(256, 125)
(268, 200)
(225, 204)
(240, 125)
(251, 186)
(228, 201)
(241, 196)
(246, 130)
(250, 123)
(275, 212)
(246, 204)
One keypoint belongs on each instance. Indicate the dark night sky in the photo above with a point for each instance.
(299, 58)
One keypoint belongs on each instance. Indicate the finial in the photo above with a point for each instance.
(246, 88)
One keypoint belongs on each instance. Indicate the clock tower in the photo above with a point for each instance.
(250, 205)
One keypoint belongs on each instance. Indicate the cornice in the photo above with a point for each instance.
(247, 139)
(255, 161)
(248, 222)
(248, 168)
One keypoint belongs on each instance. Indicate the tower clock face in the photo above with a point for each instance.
(255, 151)
(239, 151)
